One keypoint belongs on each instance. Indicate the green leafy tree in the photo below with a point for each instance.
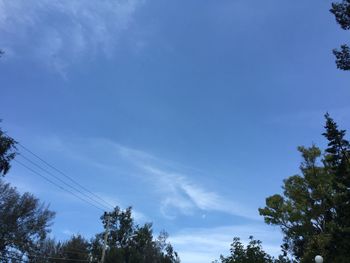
(74, 250)
(341, 11)
(313, 211)
(130, 243)
(8, 151)
(24, 222)
(46, 250)
(253, 252)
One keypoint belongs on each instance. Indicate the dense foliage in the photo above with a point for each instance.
(24, 223)
(132, 243)
(7, 151)
(76, 249)
(313, 211)
(126, 243)
(341, 12)
(253, 252)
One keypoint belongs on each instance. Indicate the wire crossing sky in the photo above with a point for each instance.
(85, 192)
(191, 112)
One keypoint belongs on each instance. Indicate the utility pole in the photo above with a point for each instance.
(105, 241)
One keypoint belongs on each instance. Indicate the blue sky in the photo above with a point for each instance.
(190, 111)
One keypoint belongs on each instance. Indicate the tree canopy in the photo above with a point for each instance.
(126, 243)
(74, 250)
(313, 212)
(7, 152)
(341, 11)
(24, 223)
(253, 252)
(24, 220)
(131, 243)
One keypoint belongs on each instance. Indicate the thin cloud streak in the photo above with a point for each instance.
(188, 196)
(179, 192)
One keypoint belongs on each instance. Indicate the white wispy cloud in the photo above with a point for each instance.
(58, 32)
(185, 195)
(178, 192)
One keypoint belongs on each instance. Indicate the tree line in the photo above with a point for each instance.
(313, 214)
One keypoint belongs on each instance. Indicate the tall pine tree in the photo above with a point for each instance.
(337, 163)
(313, 212)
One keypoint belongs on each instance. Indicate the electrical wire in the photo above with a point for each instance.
(62, 181)
(64, 174)
(105, 204)
(57, 185)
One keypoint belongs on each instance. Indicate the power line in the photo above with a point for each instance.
(64, 174)
(62, 181)
(57, 185)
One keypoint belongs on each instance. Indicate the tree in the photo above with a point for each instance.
(341, 12)
(46, 249)
(342, 57)
(131, 243)
(75, 249)
(252, 253)
(24, 222)
(313, 211)
(337, 163)
(8, 152)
